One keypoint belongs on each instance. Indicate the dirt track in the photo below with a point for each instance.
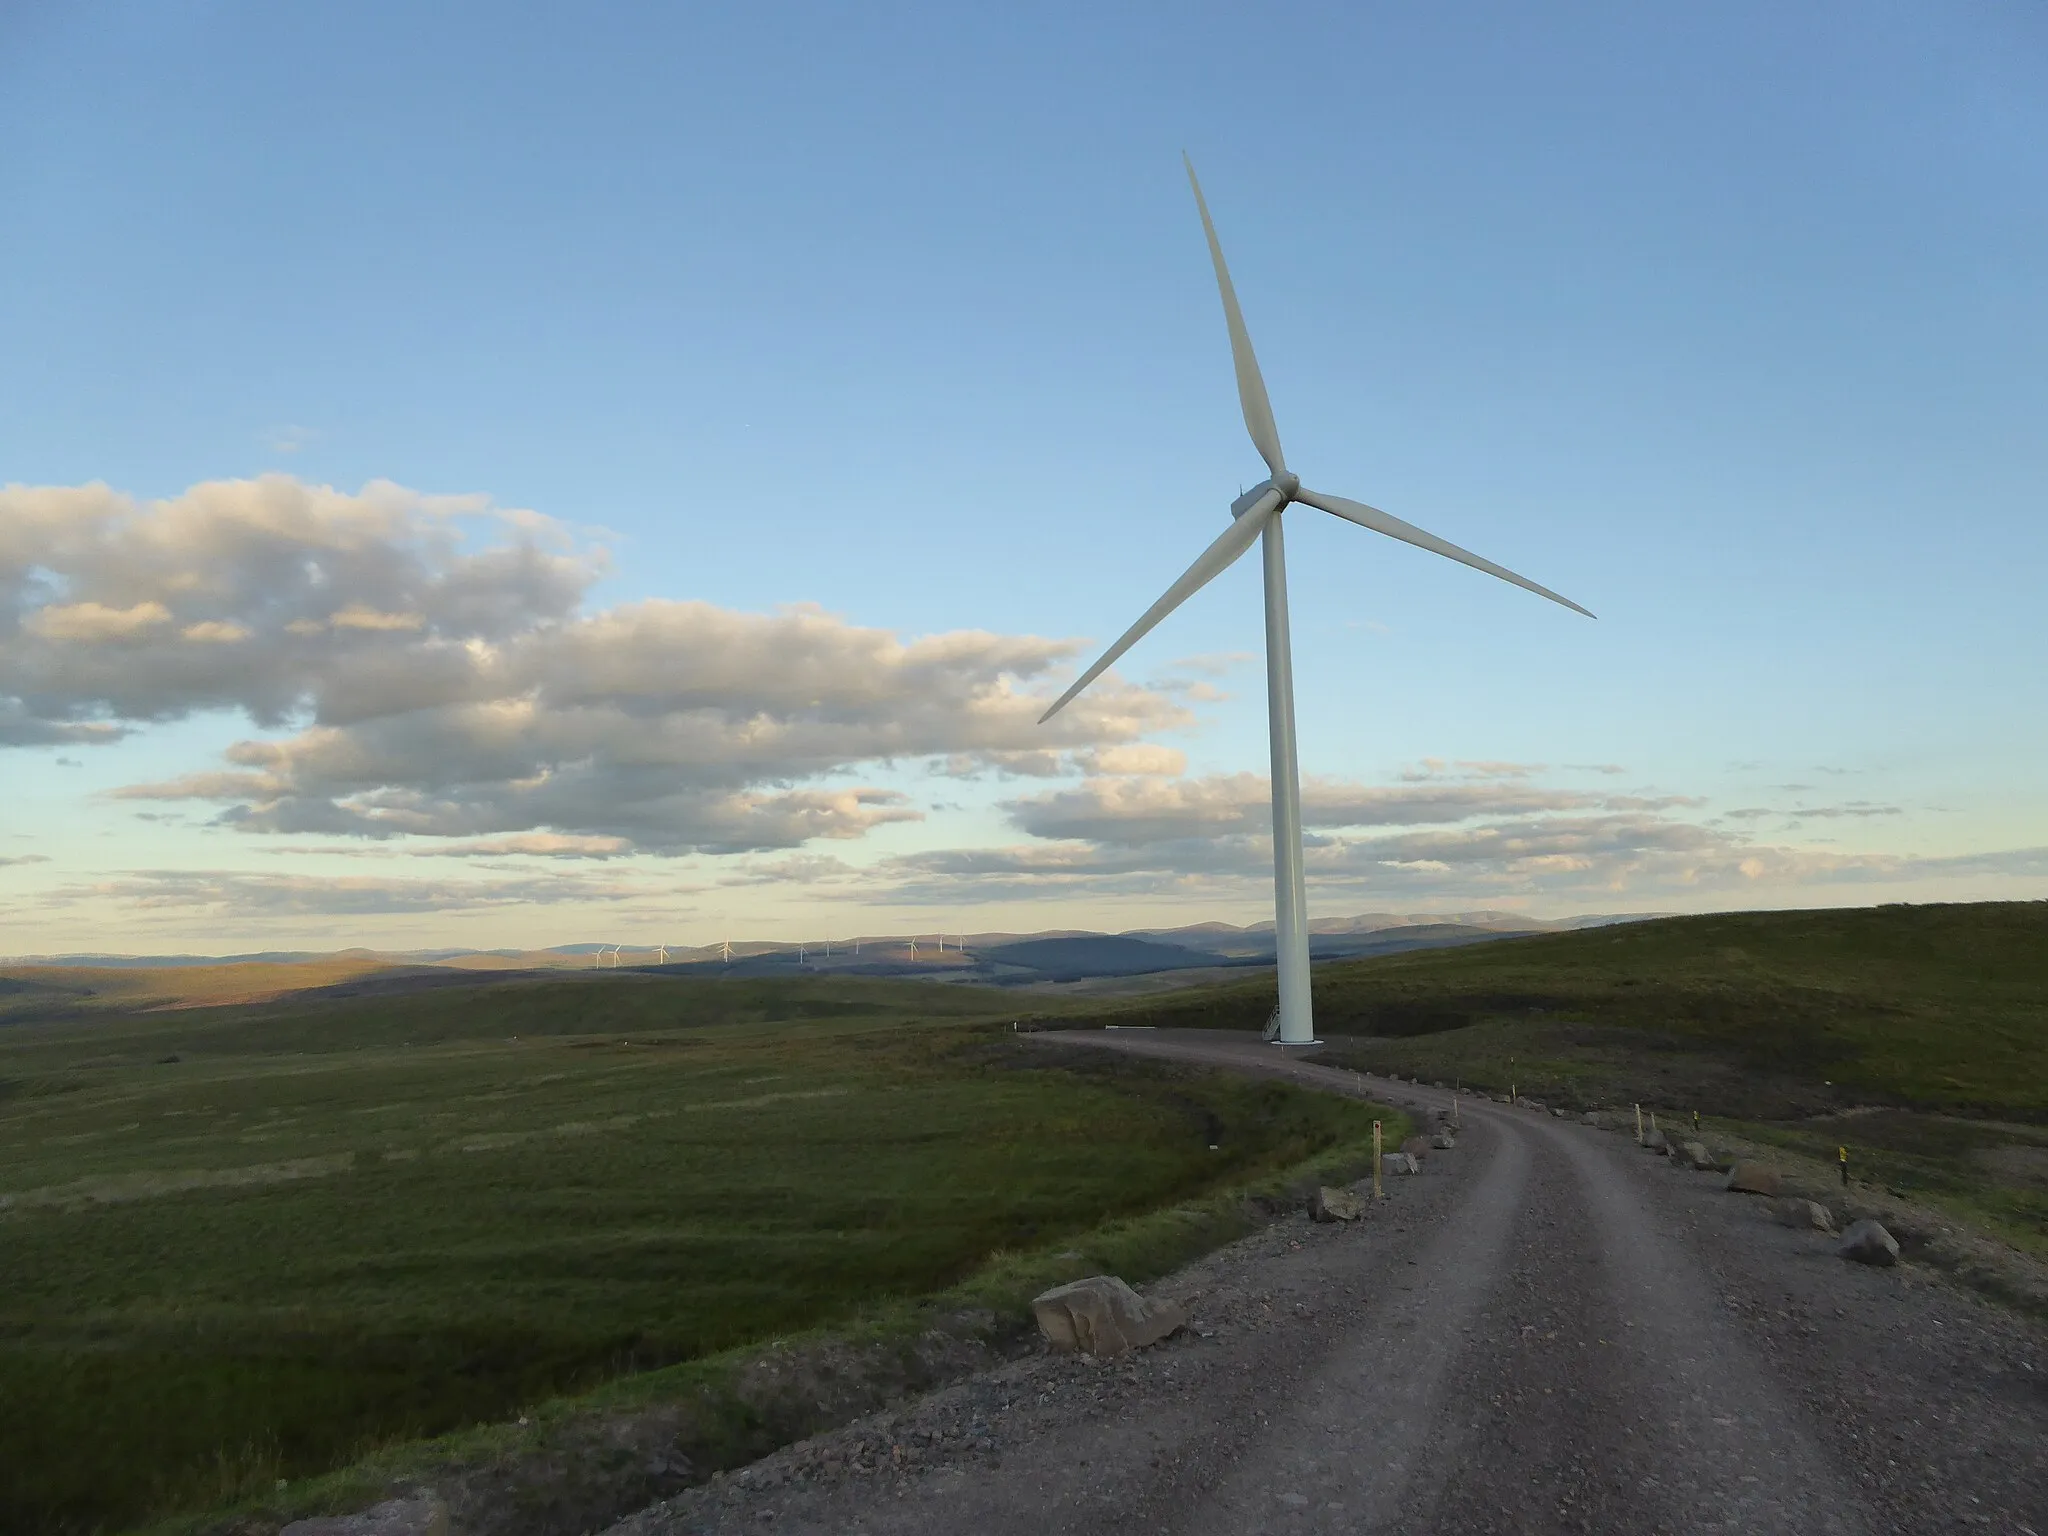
(1547, 1330)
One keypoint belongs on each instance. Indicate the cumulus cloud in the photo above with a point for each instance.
(441, 677)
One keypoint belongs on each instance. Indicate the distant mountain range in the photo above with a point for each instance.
(1066, 955)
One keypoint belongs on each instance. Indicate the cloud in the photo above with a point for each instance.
(233, 894)
(545, 845)
(96, 623)
(23, 858)
(1132, 811)
(113, 610)
(440, 676)
(1438, 768)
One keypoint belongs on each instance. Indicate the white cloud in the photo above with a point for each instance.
(445, 680)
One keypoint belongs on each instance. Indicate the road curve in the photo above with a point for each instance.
(1548, 1331)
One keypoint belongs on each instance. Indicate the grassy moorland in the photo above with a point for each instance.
(1915, 1036)
(1934, 1008)
(245, 1244)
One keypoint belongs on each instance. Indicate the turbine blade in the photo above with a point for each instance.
(1231, 543)
(1251, 387)
(1382, 522)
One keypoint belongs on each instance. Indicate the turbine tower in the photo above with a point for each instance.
(1256, 515)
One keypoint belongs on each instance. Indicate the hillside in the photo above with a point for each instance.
(1934, 1006)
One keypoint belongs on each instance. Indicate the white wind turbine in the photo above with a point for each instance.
(1256, 515)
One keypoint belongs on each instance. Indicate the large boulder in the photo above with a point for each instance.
(1694, 1154)
(1400, 1162)
(1103, 1316)
(394, 1517)
(1656, 1142)
(1791, 1211)
(1754, 1179)
(1443, 1141)
(1867, 1242)
(1416, 1146)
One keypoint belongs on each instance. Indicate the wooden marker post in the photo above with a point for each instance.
(1639, 1125)
(1377, 1153)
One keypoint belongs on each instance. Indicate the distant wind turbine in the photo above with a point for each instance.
(1255, 515)
(661, 954)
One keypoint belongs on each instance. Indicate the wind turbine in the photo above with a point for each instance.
(725, 951)
(661, 954)
(1255, 515)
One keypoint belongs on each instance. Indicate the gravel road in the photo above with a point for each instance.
(1547, 1330)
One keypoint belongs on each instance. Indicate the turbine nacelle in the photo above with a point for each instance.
(1287, 484)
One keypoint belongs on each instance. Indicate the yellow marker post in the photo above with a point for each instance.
(1842, 1156)
(1377, 1192)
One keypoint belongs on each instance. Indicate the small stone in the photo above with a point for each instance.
(1867, 1242)
(1793, 1212)
(1328, 1204)
(1443, 1141)
(1562, 1114)
(1753, 1179)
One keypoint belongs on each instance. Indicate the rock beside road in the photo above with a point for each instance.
(1103, 1316)
(1400, 1162)
(1443, 1141)
(1694, 1154)
(1754, 1179)
(1791, 1211)
(1329, 1204)
(1416, 1147)
(1867, 1242)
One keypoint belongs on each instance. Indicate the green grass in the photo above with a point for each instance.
(1936, 1007)
(325, 1229)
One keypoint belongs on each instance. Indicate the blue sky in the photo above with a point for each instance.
(1726, 323)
